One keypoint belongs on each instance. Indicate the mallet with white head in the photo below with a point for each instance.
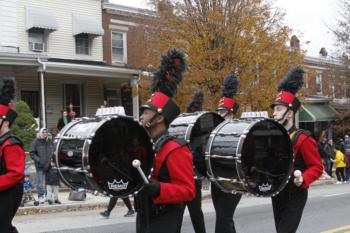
(137, 164)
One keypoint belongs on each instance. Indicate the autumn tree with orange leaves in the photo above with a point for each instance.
(219, 36)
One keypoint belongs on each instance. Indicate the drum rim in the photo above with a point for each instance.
(87, 175)
(141, 185)
(286, 179)
(210, 174)
(239, 147)
(190, 125)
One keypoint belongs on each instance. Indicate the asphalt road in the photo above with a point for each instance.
(327, 211)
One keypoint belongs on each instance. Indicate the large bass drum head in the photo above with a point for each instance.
(113, 148)
(266, 158)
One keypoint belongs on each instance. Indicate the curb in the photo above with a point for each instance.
(44, 209)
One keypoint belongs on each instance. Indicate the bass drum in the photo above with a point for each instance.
(96, 154)
(250, 156)
(195, 129)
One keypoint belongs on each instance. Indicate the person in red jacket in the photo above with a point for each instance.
(160, 204)
(289, 204)
(12, 158)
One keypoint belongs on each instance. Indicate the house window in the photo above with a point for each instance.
(319, 83)
(32, 99)
(73, 95)
(82, 44)
(119, 47)
(37, 40)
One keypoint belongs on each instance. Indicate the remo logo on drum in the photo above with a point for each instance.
(117, 185)
(265, 187)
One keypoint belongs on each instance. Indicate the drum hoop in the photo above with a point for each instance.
(88, 179)
(191, 124)
(242, 137)
(151, 143)
(57, 148)
(239, 168)
(87, 143)
(213, 135)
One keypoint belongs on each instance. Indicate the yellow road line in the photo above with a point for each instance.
(343, 229)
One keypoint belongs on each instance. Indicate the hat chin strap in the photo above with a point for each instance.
(283, 121)
(150, 122)
(2, 122)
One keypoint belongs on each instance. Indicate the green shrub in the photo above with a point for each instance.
(24, 125)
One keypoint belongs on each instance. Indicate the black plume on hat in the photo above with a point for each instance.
(7, 90)
(230, 86)
(196, 103)
(169, 74)
(293, 81)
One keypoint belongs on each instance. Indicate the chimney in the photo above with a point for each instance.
(323, 52)
(294, 43)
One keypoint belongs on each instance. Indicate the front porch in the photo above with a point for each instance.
(50, 85)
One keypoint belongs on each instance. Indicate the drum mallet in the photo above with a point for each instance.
(137, 164)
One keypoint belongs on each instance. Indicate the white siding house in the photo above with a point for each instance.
(61, 42)
(54, 49)
(8, 26)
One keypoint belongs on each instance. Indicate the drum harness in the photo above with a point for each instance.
(144, 202)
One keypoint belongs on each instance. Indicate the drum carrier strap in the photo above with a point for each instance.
(298, 137)
(143, 202)
(163, 175)
(7, 140)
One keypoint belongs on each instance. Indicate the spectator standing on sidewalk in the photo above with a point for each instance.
(41, 152)
(52, 184)
(329, 156)
(112, 203)
(12, 159)
(347, 161)
(339, 163)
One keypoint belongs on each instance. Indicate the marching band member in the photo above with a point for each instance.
(195, 206)
(288, 205)
(160, 205)
(225, 203)
(12, 158)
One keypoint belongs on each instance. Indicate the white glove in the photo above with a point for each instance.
(298, 178)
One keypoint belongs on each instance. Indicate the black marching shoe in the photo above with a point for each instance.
(58, 202)
(105, 214)
(129, 213)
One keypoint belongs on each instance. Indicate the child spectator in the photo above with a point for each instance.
(28, 187)
(52, 184)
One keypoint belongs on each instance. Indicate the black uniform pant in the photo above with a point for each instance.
(195, 209)
(340, 173)
(10, 200)
(225, 205)
(113, 202)
(288, 208)
(168, 220)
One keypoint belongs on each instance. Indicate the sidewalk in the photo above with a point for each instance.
(101, 202)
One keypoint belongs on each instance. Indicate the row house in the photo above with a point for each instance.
(54, 49)
(328, 88)
(124, 42)
(329, 77)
